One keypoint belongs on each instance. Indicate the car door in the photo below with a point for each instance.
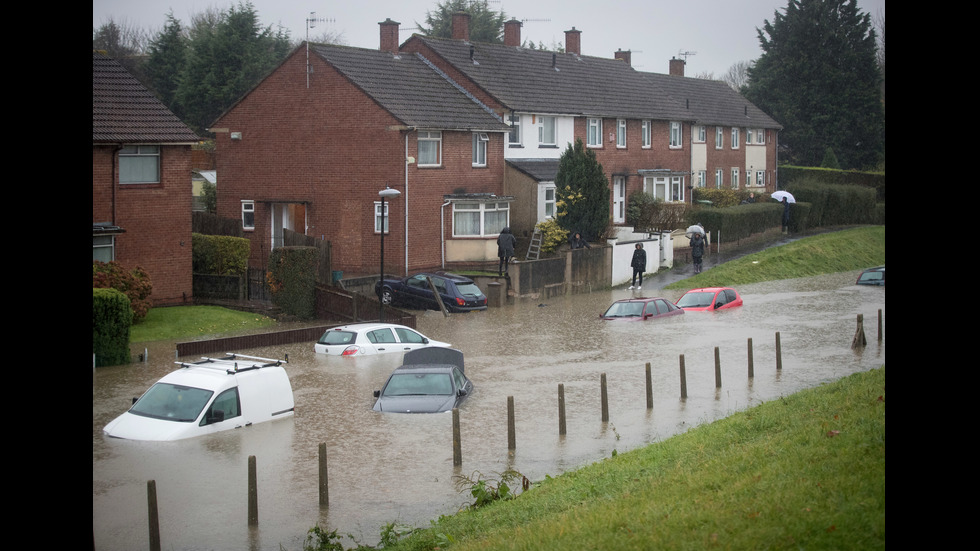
(419, 293)
(408, 339)
(380, 341)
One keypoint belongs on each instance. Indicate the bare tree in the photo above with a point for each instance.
(738, 75)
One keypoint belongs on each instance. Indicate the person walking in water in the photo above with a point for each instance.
(505, 249)
(639, 264)
(697, 251)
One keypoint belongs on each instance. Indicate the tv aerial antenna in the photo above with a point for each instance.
(311, 22)
(684, 54)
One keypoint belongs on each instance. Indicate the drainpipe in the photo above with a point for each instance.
(406, 203)
(442, 228)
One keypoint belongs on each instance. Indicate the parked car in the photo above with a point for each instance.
(710, 298)
(872, 276)
(640, 309)
(430, 380)
(458, 293)
(208, 396)
(360, 339)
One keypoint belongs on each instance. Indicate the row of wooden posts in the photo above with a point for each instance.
(253, 505)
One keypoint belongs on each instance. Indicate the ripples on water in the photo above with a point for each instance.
(398, 468)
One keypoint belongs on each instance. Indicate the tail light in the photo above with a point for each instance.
(350, 351)
(460, 301)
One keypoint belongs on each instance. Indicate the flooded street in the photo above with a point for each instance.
(386, 468)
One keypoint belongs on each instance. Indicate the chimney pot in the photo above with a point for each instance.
(625, 56)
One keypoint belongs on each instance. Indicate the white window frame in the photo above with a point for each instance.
(480, 140)
(514, 137)
(430, 137)
(676, 135)
(719, 178)
(700, 133)
(735, 174)
(139, 164)
(656, 186)
(760, 178)
(702, 178)
(102, 243)
(621, 133)
(547, 131)
(760, 136)
(677, 188)
(488, 217)
(382, 218)
(593, 133)
(546, 201)
(719, 137)
(646, 134)
(735, 137)
(248, 214)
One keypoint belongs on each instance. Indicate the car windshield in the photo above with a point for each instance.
(696, 299)
(414, 384)
(337, 337)
(624, 309)
(872, 276)
(468, 289)
(172, 402)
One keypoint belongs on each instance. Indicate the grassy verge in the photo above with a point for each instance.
(804, 472)
(182, 322)
(841, 251)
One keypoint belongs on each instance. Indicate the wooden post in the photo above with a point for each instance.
(649, 388)
(154, 517)
(717, 369)
(779, 353)
(324, 489)
(683, 379)
(751, 366)
(253, 494)
(435, 293)
(561, 409)
(457, 447)
(511, 432)
(879, 324)
(604, 398)
(859, 339)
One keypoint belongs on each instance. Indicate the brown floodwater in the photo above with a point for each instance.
(391, 468)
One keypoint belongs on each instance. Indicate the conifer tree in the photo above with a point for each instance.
(167, 54)
(581, 192)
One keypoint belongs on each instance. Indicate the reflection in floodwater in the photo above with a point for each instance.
(386, 468)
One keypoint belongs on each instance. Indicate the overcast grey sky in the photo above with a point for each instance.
(721, 32)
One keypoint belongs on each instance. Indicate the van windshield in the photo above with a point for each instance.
(172, 402)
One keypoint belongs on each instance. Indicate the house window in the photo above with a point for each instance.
(760, 136)
(476, 219)
(702, 178)
(719, 137)
(645, 134)
(656, 186)
(546, 131)
(594, 133)
(719, 178)
(430, 148)
(749, 134)
(700, 134)
(546, 201)
(675, 134)
(248, 215)
(139, 164)
(735, 178)
(677, 188)
(514, 138)
(621, 133)
(381, 218)
(760, 178)
(104, 248)
(480, 140)
(734, 138)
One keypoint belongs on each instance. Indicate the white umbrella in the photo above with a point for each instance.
(778, 195)
(696, 228)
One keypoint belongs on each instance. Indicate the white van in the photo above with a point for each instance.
(208, 396)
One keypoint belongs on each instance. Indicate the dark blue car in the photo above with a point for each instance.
(458, 293)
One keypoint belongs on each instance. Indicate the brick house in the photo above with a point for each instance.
(648, 130)
(312, 145)
(141, 182)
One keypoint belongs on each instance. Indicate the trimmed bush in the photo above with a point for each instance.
(219, 255)
(111, 320)
(835, 205)
(292, 279)
(134, 283)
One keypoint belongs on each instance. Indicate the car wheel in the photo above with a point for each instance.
(386, 296)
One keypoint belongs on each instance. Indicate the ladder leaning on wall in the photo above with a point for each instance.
(534, 249)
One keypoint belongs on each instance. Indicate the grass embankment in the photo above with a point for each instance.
(182, 322)
(802, 472)
(827, 253)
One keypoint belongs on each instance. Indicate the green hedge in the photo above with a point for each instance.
(835, 205)
(739, 221)
(219, 255)
(111, 320)
(789, 175)
(292, 279)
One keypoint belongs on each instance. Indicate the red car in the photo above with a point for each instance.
(710, 298)
(640, 309)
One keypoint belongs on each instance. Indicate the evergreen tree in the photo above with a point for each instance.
(168, 51)
(818, 76)
(581, 192)
(486, 25)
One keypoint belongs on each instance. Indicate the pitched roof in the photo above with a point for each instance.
(712, 101)
(123, 110)
(541, 170)
(540, 81)
(413, 91)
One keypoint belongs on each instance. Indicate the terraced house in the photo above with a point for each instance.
(470, 134)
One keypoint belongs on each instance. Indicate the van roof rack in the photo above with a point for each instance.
(230, 363)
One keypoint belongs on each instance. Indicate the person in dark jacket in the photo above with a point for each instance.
(785, 215)
(697, 251)
(505, 249)
(639, 264)
(578, 242)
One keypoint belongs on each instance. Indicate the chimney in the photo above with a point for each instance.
(573, 42)
(389, 35)
(512, 33)
(625, 56)
(677, 67)
(461, 26)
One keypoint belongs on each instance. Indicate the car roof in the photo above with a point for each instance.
(446, 275)
(362, 326)
(424, 368)
(711, 289)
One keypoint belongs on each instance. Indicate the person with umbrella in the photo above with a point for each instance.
(697, 250)
(785, 214)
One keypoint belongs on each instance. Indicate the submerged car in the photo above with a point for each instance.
(872, 276)
(458, 293)
(710, 298)
(361, 339)
(430, 380)
(640, 309)
(208, 396)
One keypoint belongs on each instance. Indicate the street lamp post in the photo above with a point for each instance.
(389, 193)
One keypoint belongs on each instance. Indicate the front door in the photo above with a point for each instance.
(619, 199)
